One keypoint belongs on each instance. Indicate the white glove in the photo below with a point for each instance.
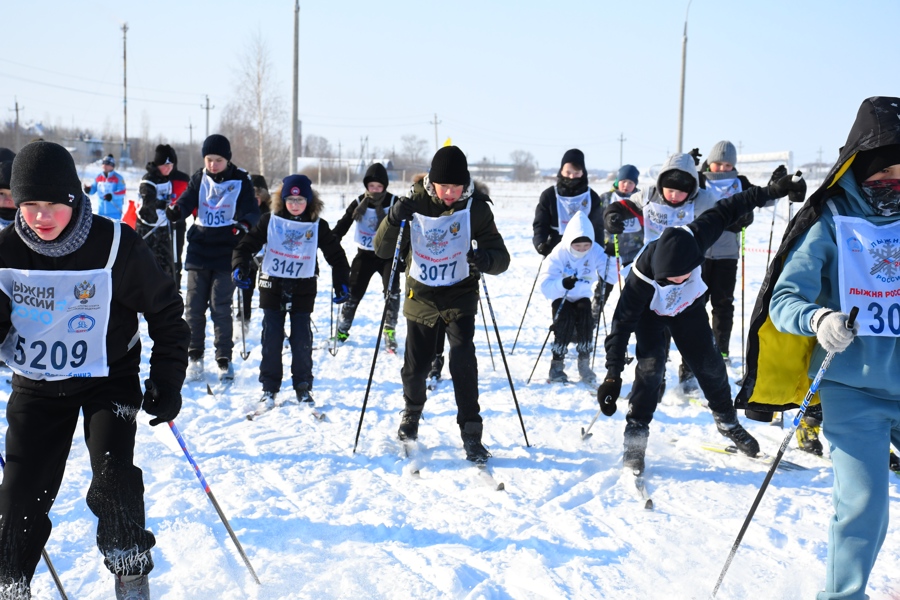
(831, 329)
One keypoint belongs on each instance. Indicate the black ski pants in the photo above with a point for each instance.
(694, 339)
(574, 324)
(38, 441)
(720, 276)
(271, 368)
(420, 345)
(366, 264)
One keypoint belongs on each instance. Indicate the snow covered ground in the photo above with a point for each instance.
(318, 521)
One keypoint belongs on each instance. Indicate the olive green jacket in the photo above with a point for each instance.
(425, 304)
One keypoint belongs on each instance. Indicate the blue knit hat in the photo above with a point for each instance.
(296, 185)
(628, 172)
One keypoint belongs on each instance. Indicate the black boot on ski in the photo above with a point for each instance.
(471, 438)
(557, 374)
(585, 372)
(409, 423)
(636, 435)
(894, 463)
(303, 395)
(437, 365)
(728, 425)
(687, 381)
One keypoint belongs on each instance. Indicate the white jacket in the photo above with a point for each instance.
(561, 263)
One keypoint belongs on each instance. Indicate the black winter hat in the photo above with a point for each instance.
(45, 172)
(377, 173)
(676, 253)
(258, 181)
(869, 162)
(677, 179)
(5, 174)
(6, 154)
(165, 154)
(573, 156)
(449, 166)
(217, 144)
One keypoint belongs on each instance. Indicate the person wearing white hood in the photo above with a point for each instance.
(567, 277)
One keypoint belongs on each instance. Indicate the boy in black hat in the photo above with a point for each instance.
(444, 213)
(622, 215)
(222, 196)
(367, 212)
(82, 355)
(664, 291)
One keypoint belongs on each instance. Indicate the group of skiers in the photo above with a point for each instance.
(673, 244)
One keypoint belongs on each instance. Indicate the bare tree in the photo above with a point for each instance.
(317, 146)
(414, 151)
(524, 165)
(253, 119)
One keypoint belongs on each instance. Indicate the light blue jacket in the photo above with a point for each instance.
(808, 281)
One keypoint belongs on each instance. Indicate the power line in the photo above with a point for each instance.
(101, 94)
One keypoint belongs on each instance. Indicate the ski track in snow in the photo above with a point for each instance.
(318, 521)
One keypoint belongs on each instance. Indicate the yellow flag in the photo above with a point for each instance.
(447, 142)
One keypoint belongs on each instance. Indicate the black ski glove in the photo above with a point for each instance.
(608, 393)
(87, 189)
(241, 279)
(695, 154)
(341, 293)
(613, 222)
(569, 282)
(173, 213)
(107, 197)
(792, 186)
(479, 259)
(401, 211)
(162, 404)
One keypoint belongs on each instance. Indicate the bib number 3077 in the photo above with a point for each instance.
(57, 353)
(437, 272)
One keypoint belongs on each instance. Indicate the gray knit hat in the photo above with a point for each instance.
(723, 152)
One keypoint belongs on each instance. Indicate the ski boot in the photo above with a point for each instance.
(471, 438)
(557, 374)
(584, 370)
(728, 425)
(194, 370)
(437, 365)
(340, 337)
(636, 435)
(687, 381)
(390, 342)
(132, 587)
(226, 370)
(808, 438)
(894, 463)
(267, 402)
(303, 395)
(409, 423)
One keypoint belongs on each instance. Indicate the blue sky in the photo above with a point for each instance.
(501, 75)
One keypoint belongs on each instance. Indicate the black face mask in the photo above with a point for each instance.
(566, 186)
(7, 214)
(883, 196)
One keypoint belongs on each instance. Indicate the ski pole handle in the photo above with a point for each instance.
(797, 176)
(474, 244)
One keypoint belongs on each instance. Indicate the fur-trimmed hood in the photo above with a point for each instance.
(313, 207)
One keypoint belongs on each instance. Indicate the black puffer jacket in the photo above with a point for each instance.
(139, 286)
(276, 292)
(546, 218)
(211, 247)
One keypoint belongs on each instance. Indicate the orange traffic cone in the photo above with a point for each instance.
(130, 216)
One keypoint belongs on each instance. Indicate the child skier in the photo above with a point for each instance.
(367, 212)
(110, 187)
(291, 233)
(839, 252)
(7, 205)
(222, 195)
(664, 291)
(57, 245)
(444, 213)
(623, 219)
(566, 277)
(264, 199)
(156, 194)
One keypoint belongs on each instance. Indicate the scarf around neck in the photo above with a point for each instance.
(70, 240)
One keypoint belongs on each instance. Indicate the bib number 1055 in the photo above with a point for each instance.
(57, 353)
(437, 272)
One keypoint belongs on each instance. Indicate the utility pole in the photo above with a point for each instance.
(295, 107)
(622, 141)
(740, 147)
(18, 108)
(435, 123)
(125, 153)
(207, 108)
(683, 69)
(191, 146)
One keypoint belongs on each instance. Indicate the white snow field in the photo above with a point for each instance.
(318, 521)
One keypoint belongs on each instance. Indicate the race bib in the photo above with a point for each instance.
(439, 247)
(567, 206)
(291, 248)
(658, 217)
(217, 202)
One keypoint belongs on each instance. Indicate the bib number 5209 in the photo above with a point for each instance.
(57, 353)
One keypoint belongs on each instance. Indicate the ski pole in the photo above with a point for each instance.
(512, 388)
(527, 304)
(549, 331)
(602, 282)
(46, 557)
(244, 353)
(208, 491)
(172, 238)
(628, 358)
(486, 334)
(586, 433)
(334, 349)
(784, 444)
(744, 285)
(387, 293)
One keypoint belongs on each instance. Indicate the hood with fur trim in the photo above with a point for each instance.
(313, 208)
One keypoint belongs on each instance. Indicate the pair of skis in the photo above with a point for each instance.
(412, 453)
